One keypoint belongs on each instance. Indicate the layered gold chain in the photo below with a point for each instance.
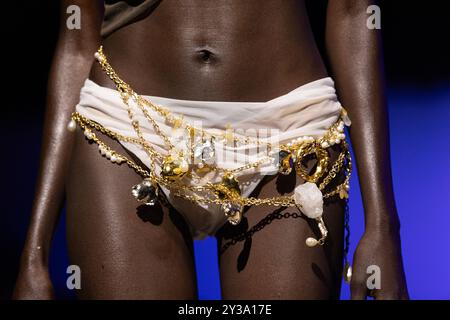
(225, 193)
(190, 192)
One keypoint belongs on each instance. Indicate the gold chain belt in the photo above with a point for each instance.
(227, 193)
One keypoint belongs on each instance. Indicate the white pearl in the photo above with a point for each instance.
(325, 145)
(119, 160)
(113, 158)
(72, 125)
(200, 165)
(337, 141)
(342, 136)
(108, 154)
(88, 134)
(311, 242)
(97, 55)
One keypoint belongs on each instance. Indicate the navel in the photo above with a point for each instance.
(206, 56)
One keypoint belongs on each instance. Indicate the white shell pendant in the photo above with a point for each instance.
(309, 199)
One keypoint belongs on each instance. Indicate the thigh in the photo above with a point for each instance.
(125, 250)
(265, 257)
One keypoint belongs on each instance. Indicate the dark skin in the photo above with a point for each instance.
(225, 51)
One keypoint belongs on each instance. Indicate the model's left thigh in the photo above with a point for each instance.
(265, 257)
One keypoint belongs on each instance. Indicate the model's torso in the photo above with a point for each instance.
(223, 50)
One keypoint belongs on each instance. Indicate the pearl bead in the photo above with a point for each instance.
(342, 136)
(88, 134)
(97, 55)
(72, 125)
(108, 154)
(311, 242)
(325, 145)
(337, 141)
(113, 158)
(200, 165)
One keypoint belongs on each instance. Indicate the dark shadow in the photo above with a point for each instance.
(180, 223)
(318, 272)
(286, 183)
(153, 214)
(245, 253)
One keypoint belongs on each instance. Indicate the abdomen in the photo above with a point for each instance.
(238, 50)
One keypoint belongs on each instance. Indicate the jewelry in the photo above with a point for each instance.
(226, 193)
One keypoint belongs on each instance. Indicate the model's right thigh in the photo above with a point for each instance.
(125, 250)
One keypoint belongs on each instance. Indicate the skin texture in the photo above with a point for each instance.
(357, 65)
(226, 51)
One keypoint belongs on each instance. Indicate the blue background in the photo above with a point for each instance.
(418, 70)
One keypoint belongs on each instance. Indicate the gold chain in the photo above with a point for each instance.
(127, 92)
(281, 201)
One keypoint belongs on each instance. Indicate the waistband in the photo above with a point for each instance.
(308, 110)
